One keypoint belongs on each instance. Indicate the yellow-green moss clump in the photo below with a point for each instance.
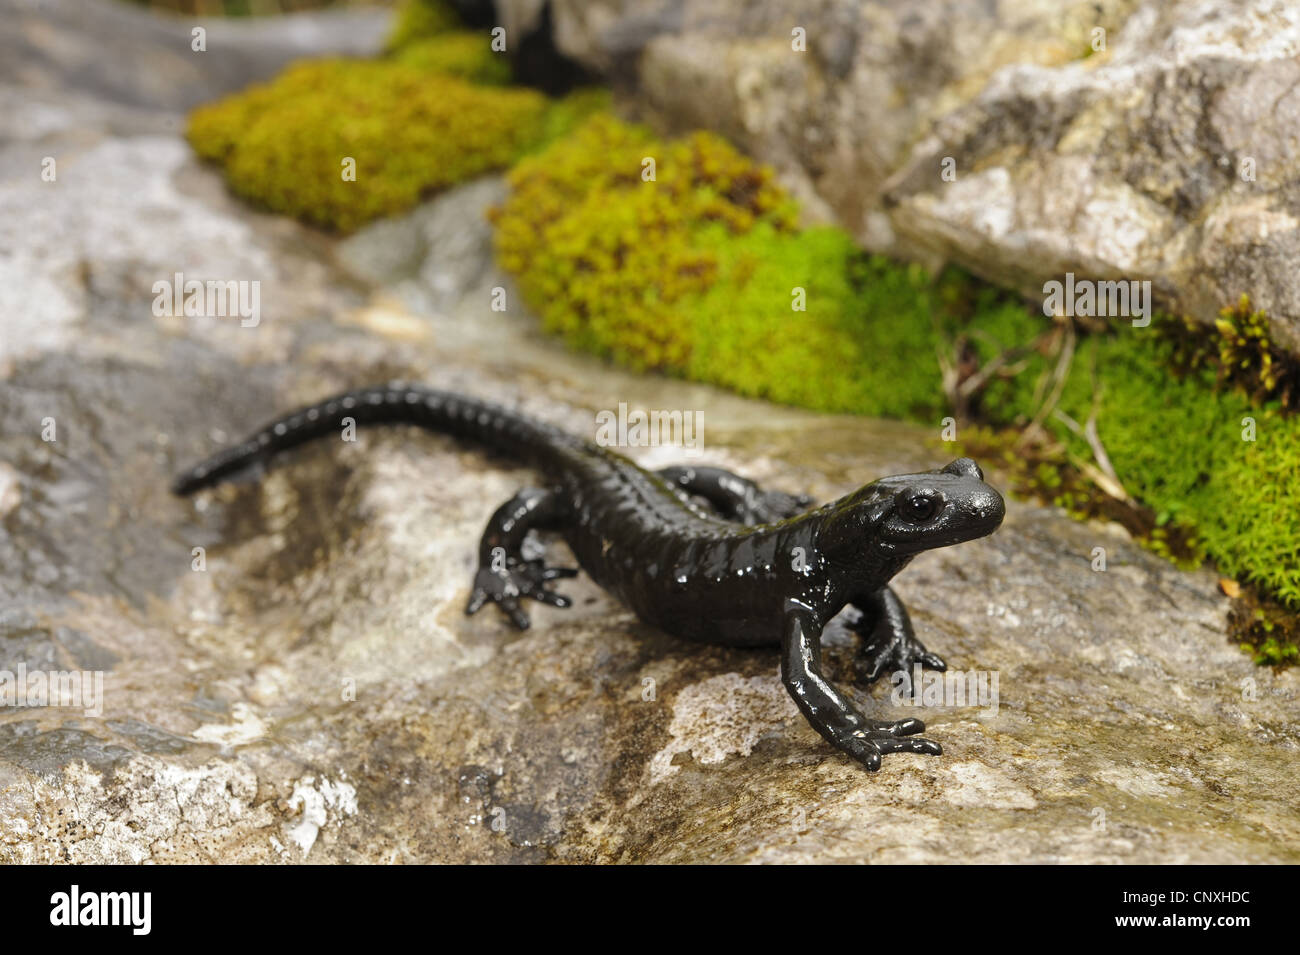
(418, 20)
(435, 111)
(609, 275)
(701, 272)
(461, 53)
(1241, 354)
(284, 145)
(430, 35)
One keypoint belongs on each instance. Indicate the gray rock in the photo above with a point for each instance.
(130, 55)
(1170, 156)
(314, 693)
(434, 255)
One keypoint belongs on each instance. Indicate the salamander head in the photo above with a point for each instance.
(905, 514)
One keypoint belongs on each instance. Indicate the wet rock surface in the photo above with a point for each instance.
(142, 58)
(1163, 150)
(314, 692)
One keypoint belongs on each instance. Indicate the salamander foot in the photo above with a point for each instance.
(870, 742)
(518, 579)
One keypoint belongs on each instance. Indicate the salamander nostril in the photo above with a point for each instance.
(989, 506)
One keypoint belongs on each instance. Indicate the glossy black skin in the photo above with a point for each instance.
(745, 570)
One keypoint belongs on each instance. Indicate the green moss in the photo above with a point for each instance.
(418, 20)
(1177, 443)
(460, 53)
(748, 337)
(607, 257)
(695, 274)
(282, 145)
(1274, 652)
(571, 111)
(1241, 353)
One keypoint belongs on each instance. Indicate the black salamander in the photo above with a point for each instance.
(748, 571)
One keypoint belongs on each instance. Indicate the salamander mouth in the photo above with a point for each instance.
(974, 530)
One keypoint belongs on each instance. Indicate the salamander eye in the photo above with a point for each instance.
(917, 507)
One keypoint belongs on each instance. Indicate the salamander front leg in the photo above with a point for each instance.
(503, 575)
(828, 710)
(734, 497)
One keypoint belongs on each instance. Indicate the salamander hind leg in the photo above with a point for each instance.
(504, 577)
(829, 711)
(734, 497)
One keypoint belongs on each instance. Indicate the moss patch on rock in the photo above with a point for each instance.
(418, 20)
(436, 111)
(340, 142)
(1241, 353)
(460, 53)
(702, 272)
(284, 145)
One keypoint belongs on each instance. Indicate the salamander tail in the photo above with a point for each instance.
(443, 412)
